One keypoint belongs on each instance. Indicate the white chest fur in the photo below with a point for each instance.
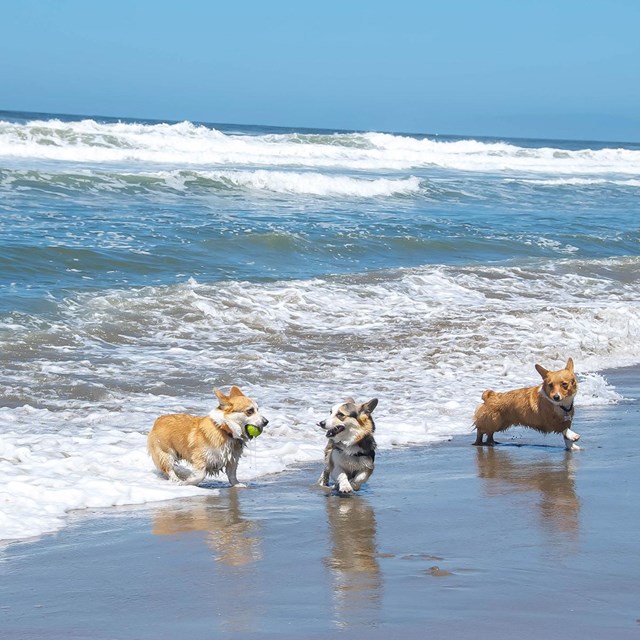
(344, 461)
(218, 458)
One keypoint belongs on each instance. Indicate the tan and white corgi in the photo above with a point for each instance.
(351, 451)
(547, 407)
(210, 444)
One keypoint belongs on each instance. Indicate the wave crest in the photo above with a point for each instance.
(186, 143)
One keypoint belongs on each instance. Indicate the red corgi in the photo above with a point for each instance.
(547, 407)
(210, 444)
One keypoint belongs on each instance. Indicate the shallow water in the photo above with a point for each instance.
(143, 263)
(455, 540)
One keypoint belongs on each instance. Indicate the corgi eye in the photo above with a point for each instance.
(565, 385)
(340, 415)
(250, 411)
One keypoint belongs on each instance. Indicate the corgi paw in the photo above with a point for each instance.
(571, 435)
(570, 445)
(345, 487)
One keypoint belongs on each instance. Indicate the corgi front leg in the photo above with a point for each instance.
(570, 439)
(323, 480)
(231, 469)
(360, 479)
(344, 486)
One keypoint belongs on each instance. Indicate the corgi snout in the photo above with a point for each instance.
(258, 424)
(335, 430)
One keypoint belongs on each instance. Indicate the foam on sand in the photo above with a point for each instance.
(84, 387)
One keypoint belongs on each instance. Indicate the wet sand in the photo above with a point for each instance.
(522, 541)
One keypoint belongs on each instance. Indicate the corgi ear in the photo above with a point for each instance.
(235, 392)
(542, 371)
(224, 400)
(368, 407)
(349, 400)
(569, 366)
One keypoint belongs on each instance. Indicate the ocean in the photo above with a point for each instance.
(142, 263)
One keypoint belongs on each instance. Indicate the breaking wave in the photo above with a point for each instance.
(188, 144)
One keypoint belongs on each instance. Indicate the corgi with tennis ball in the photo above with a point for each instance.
(351, 450)
(547, 408)
(210, 444)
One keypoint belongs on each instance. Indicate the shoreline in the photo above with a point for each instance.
(451, 539)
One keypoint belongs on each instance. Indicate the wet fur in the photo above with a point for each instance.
(351, 450)
(547, 408)
(210, 444)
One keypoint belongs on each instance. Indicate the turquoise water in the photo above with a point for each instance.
(92, 204)
(141, 263)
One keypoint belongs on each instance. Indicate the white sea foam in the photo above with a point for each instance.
(313, 183)
(44, 476)
(282, 182)
(548, 243)
(293, 182)
(186, 144)
(88, 384)
(581, 182)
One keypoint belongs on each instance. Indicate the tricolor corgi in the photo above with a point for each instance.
(351, 451)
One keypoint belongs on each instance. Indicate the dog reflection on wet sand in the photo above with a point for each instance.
(353, 561)
(234, 540)
(552, 479)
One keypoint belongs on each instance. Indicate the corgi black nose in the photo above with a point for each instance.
(322, 424)
(557, 397)
(265, 422)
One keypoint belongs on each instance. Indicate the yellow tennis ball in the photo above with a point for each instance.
(253, 431)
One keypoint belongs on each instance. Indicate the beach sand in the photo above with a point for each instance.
(521, 541)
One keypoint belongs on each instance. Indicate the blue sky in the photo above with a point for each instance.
(546, 68)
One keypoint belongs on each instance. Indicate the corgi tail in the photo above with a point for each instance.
(488, 394)
(480, 415)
